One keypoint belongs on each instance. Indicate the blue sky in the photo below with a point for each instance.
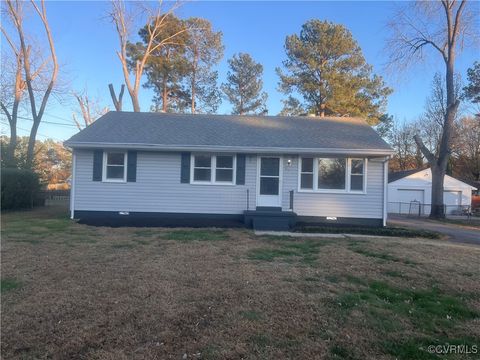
(86, 45)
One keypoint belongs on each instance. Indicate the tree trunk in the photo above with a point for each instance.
(193, 93)
(12, 145)
(117, 102)
(31, 142)
(135, 103)
(437, 210)
(322, 110)
(194, 79)
(164, 97)
(439, 167)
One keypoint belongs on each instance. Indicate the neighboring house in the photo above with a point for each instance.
(411, 192)
(266, 171)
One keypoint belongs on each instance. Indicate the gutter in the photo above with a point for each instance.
(213, 148)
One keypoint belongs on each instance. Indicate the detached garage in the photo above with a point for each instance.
(410, 192)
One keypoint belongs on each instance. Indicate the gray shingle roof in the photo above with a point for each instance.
(185, 131)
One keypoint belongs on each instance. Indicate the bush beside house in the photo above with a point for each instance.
(20, 189)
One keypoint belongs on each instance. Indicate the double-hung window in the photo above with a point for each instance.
(357, 169)
(306, 173)
(332, 174)
(115, 166)
(213, 169)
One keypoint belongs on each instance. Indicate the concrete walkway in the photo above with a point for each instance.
(454, 232)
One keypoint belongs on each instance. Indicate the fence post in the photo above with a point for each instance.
(248, 199)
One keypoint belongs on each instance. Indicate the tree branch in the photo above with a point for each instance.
(428, 155)
(7, 113)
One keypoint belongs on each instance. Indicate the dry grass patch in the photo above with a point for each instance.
(74, 291)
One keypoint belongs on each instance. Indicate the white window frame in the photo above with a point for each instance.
(364, 174)
(314, 159)
(104, 169)
(213, 170)
(348, 170)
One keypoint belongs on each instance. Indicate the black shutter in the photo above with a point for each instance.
(240, 169)
(185, 168)
(132, 166)
(97, 165)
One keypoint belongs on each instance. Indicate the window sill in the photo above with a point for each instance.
(114, 181)
(332, 192)
(211, 183)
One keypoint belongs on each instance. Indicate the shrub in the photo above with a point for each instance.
(20, 188)
(386, 231)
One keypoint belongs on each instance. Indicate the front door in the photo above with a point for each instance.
(269, 181)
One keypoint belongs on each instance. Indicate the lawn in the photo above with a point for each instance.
(71, 291)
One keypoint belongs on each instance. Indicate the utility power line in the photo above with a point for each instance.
(47, 122)
(40, 134)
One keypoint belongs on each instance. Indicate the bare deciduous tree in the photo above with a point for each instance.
(117, 102)
(445, 27)
(12, 90)
(123, 21)
(89, 110)
(48, 68)
(467, 148)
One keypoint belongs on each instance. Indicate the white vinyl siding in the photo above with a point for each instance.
(158, 188)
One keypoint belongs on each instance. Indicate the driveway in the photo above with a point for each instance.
(455, 233)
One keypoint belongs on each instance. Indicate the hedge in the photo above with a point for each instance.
(20, 188)
(380, 231)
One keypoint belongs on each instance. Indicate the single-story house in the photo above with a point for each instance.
(411, 192)
(265, 171)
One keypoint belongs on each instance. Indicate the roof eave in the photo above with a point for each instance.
(213, 148)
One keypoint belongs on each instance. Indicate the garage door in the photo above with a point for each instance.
(452, 200)
(406, 196)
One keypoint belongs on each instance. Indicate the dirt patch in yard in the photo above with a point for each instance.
(74, 291)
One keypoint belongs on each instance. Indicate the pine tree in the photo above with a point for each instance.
(244, 85)
(326, 67)
(204, 49)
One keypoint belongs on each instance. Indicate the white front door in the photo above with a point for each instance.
(269, 182)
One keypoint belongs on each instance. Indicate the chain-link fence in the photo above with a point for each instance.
(416, 208)
(55, 197)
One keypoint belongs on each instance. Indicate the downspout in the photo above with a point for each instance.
(72, 188)
(385, 186)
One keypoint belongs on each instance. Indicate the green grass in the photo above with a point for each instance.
(388, 309)
(146, 232)
(417, 348)
(196, 235)
(37, 226)
(394, 274)
(306, 251)
(251, 315)
(380, 255)
(9, 284)
(386, 231)
(338, 351)
(429, 310)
